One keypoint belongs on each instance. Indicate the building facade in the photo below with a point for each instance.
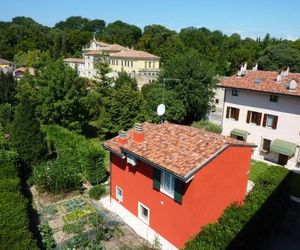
(175, 179)
(143, 66)
(263, 107)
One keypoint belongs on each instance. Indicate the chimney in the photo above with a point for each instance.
(255, 66)
(138, 134)
(243, 69)
(123, 138)
(286, 72)
(279, 76)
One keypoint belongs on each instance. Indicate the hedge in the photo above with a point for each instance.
(75, 160)
(97, 191)
(250, 225)
(14, 222)
(207, 125)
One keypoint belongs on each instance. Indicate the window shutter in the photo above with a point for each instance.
(156, 178)
(227, 112)
(265, 120)
(275, 120)
(237, 114)
(248, 117)
(258, 120)
(178, 190)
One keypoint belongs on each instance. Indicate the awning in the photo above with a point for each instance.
(239, 132)
(283, 147)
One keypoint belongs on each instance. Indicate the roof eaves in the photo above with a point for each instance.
(189, 175)
(152, 163)
(114, 151)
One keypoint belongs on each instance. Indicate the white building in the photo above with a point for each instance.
(139, 64)
(263, 107)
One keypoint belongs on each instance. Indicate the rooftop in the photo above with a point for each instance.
(75, 60)
(263, 81)
(179, 149)
(130, 53)
(5, 62)
(30, 70)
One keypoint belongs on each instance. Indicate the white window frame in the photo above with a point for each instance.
(163, 189)
(119, 198)
(140, 214)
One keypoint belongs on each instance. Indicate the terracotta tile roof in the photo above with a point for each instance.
(75, 60)
(176, 148)
(5, 62)
(130, 53)
(269, 83)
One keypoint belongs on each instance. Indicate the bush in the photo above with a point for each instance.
(207, 125)
(250, 225)
(96, 192)
(14, 222)
(77, 160)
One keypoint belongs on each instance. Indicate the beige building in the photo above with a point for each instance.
(139, 64)
(5, 65)
(263, 107)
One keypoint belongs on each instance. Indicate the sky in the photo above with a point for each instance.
(252, 18)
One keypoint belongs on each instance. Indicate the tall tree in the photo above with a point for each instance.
(278, 56)
(123, 33)
(192, 79)
(26, 135)
(7, 87)
(61, 96)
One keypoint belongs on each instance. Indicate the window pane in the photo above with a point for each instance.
(270, 120)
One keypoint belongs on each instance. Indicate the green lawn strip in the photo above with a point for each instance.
(295, 184)
(257, 168)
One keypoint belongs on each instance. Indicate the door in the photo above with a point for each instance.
(283, 159)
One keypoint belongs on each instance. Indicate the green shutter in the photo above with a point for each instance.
(179, 189)
(156, 178)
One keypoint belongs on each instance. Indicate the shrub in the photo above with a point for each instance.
(250, 225)
(77, 160)
(47, 234)
(96, 192)
(207, 125)
(14, 222)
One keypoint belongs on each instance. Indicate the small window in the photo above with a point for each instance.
(217, 101)
(149, 64)
(254, 117)
(233, 113)
(119, 193)
(131, 64)
(235, 92)
(266, 144)
(143, 213)
(270, 121)
(273, 98)
(145, 65)
(131, 160)
(167, 183)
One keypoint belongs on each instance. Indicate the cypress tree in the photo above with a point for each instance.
(26, 134)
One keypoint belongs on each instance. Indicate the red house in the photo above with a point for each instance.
(176, 179)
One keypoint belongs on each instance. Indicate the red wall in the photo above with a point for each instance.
(214, 187)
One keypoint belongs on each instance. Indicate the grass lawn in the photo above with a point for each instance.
(256, 169)
(295, 185)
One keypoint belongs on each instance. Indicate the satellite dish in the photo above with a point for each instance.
(161, 109)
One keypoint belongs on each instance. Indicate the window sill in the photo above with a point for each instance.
(171, 195)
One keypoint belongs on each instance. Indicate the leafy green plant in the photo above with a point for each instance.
(47, 235)
(74, 228)
(79, 214)
(97, 191)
